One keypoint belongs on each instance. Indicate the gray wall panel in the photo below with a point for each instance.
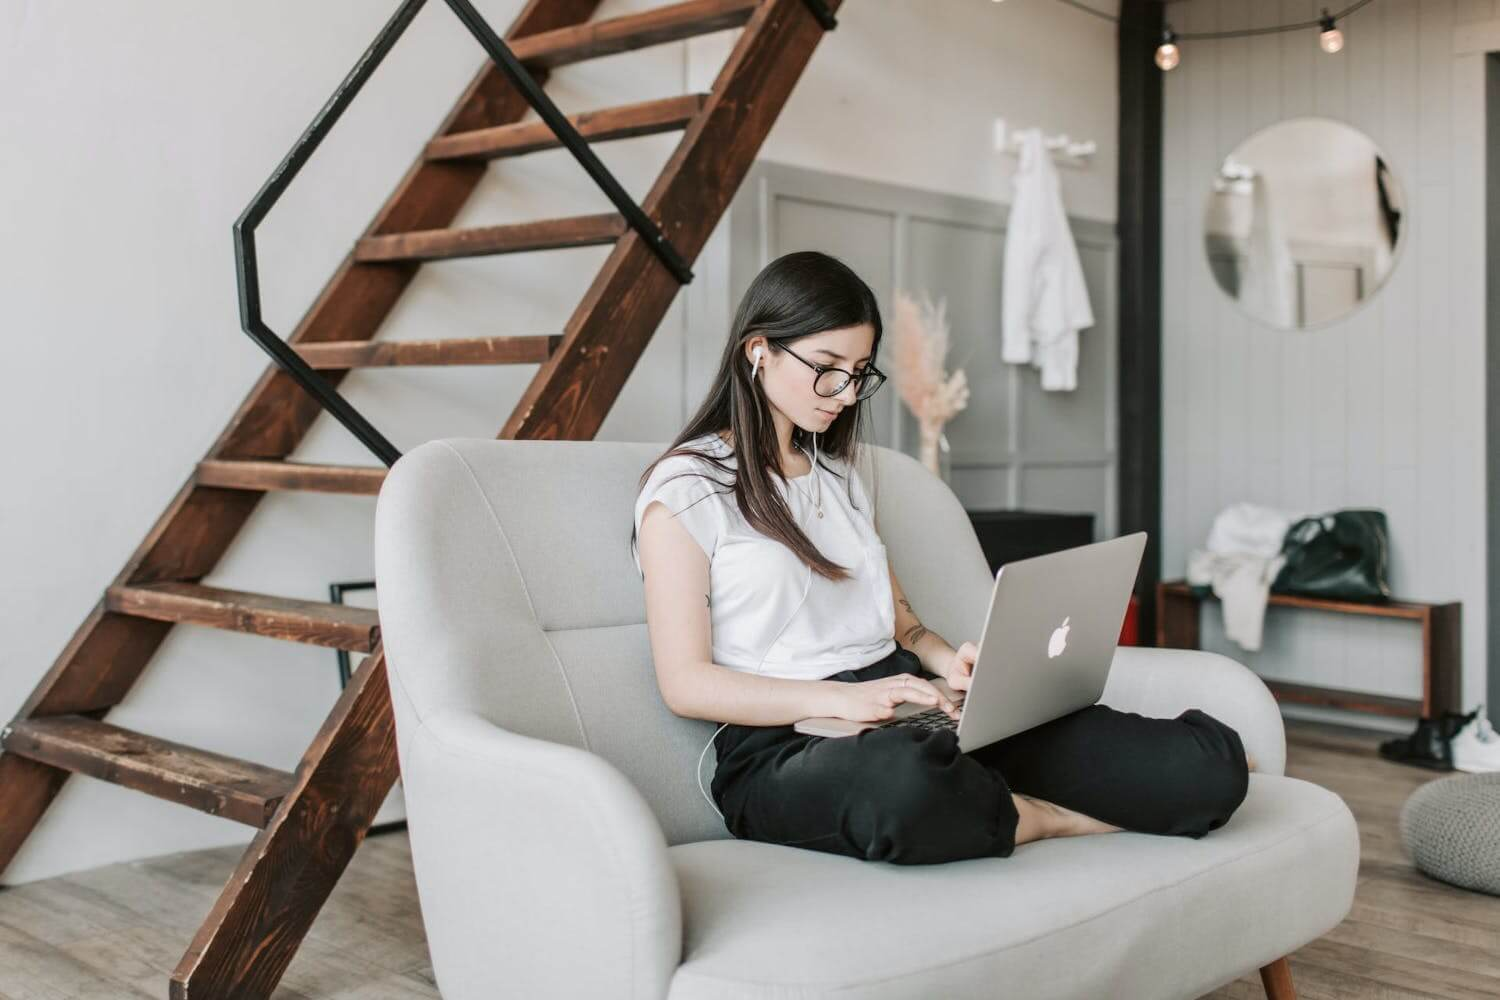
(1066, 487)
(1079, 424)
(961, 263)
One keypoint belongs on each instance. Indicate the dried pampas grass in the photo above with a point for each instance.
(920, 347)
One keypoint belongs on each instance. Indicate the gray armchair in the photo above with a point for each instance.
(562, 846)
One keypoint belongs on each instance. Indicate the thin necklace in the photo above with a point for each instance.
(818, 503)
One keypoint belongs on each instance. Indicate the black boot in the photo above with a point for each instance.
(1429, 744)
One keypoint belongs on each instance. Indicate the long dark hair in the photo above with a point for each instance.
(796, 295)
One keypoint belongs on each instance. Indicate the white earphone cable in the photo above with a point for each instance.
(698, 773)
(806, 588)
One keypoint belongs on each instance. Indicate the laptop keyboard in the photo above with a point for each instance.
(931, 718)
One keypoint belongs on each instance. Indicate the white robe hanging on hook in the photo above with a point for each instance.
(1044, 301)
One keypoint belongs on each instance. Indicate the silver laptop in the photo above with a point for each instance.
(1046, 648)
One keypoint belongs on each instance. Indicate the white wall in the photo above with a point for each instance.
(1384, 408)
(133, 137)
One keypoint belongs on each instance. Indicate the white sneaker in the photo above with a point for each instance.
(1476, 747)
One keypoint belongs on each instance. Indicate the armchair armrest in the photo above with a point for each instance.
(1162, 683)
(541, 870)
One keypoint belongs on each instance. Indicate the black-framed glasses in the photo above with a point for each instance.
(831, 381)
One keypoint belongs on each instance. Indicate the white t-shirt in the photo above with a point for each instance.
(770, 613)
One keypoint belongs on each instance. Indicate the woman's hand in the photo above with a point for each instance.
(959, 670)
(876, 701)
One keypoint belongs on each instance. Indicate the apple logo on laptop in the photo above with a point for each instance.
(1059, 640)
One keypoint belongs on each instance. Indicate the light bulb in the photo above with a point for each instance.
(1330, 38)
(1168, 55)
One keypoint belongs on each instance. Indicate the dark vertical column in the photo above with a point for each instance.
(1140, 290)
(1491, 383)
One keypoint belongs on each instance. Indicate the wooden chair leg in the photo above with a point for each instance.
(1277, 979)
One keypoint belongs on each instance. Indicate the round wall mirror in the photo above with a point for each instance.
(1303, 222)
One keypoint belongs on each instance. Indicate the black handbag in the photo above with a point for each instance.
(1343, 555)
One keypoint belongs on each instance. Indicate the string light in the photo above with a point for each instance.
(1168, 55)
(1330, 38)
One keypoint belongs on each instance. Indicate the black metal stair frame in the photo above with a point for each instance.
(247, 272)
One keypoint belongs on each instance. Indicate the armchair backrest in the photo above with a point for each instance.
(506, 587)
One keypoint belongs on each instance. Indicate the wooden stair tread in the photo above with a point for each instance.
(341, 354)
(622, 122)
(517, 237)
(210, 782)
(341, 626)
(273, 474)
(657, 26)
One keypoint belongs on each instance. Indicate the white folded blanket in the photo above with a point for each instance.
(1240, 562)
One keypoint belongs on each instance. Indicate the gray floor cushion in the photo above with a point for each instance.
(1450, 829)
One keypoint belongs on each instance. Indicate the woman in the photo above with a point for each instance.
(757, 508)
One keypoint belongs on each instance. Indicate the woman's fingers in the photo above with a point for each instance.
(919, 689)
(898, 692)
(912, 688)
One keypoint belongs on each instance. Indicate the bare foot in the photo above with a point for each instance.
(1041, 819)
(1078, 823)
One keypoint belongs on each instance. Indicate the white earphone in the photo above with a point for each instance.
(756, 355)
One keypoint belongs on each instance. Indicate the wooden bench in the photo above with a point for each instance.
(1177, 608)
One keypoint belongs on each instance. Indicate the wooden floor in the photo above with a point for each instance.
(116, 932)
(1408, 935)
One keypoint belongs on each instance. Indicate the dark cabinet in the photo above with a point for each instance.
(1008, 535)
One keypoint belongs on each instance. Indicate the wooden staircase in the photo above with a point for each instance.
(311, 821)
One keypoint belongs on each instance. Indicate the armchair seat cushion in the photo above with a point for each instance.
(1116, 915)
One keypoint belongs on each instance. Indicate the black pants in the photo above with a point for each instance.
(910, 796)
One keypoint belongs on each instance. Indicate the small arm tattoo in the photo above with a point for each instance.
(708, 601)
(915, 633)
(918, 630)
